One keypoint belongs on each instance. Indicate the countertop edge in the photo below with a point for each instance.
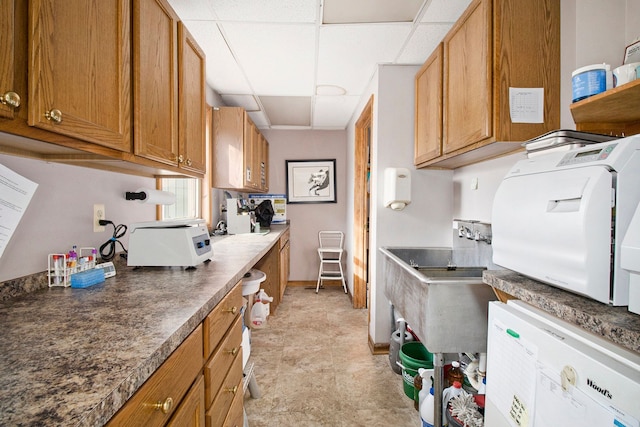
(615, 324)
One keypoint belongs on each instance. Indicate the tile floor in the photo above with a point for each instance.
(314, 368)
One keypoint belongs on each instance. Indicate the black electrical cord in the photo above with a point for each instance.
(110, 245)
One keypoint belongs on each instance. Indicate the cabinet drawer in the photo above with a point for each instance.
(231, 388)
(235, 417)
(217, 367)
(221, 317)
(171, 381)
(191, 410)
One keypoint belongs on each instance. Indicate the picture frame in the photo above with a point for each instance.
(632, 53)
(311, 181)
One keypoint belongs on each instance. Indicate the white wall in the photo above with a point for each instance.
(308, 219)
(61, 211)
(425, 222)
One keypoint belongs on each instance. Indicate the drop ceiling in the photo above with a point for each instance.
(305, 64)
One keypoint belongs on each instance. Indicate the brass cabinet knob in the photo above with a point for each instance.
(189, 162)
(165, 406)
(231, 390)
(54, 115)
(180, 158)
(232, 310)
(233, 351)
(11, 99)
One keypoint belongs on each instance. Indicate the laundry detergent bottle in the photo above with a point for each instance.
(427, 410)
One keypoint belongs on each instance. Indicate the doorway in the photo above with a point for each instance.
(361, 204)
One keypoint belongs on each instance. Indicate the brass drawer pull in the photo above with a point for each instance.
(54, 115)
(10, 98)
(180, 158)
(232, 310)
(165, 406)
(232, 390)
(233, 351)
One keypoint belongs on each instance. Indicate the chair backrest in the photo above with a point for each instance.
(331, 239)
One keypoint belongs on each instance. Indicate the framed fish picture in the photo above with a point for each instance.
(311, 181)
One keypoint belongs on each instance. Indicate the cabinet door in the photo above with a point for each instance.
(191, 90)
(468, 105)
(227, 152)
(8, 90)
(80, 68)
(250, 154)
(155, 73)
(191, 410)
(428, 98)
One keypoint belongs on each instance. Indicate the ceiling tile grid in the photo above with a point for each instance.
(279, 57)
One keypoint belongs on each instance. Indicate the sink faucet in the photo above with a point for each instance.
(464, 232)
(480, 238)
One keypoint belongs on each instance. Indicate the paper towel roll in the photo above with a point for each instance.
(155, 197)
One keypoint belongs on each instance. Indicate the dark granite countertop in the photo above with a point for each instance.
(616, 324)
(74, 356)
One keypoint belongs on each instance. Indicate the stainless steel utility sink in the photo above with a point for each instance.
(446, 305)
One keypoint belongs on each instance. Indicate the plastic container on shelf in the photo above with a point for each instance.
(455, 374)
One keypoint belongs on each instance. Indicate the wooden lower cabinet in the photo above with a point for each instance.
(201, 381)
(285, 255)
(224, 398)
(191, 410)
(156, 401)
(235, 417)
(223, 353)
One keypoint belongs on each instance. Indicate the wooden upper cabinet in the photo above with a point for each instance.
(192, 105)
(80, 68)
(428, 105)
(155, 74)
(494, 46)
(9, 95)
(468, 85)
(240, 152)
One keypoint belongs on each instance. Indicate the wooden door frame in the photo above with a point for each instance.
(361, 158)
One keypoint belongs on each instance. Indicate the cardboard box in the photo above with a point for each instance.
(278, 201)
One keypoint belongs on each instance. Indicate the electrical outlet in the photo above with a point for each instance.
(98, 214)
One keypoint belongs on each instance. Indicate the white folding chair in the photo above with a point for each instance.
(330, 252)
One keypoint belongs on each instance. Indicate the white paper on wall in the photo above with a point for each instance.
(526, 105)
(16, 192)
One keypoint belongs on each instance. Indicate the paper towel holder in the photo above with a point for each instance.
(397, 188)
(151, 196)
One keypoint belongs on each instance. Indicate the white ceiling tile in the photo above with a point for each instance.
(193, 9)
(223, 74)
(348, 54)
(267, 10)
(287, 110)
(333, 112)
(444, 10)
(277, 59)
(352, 11)
(422, 42)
